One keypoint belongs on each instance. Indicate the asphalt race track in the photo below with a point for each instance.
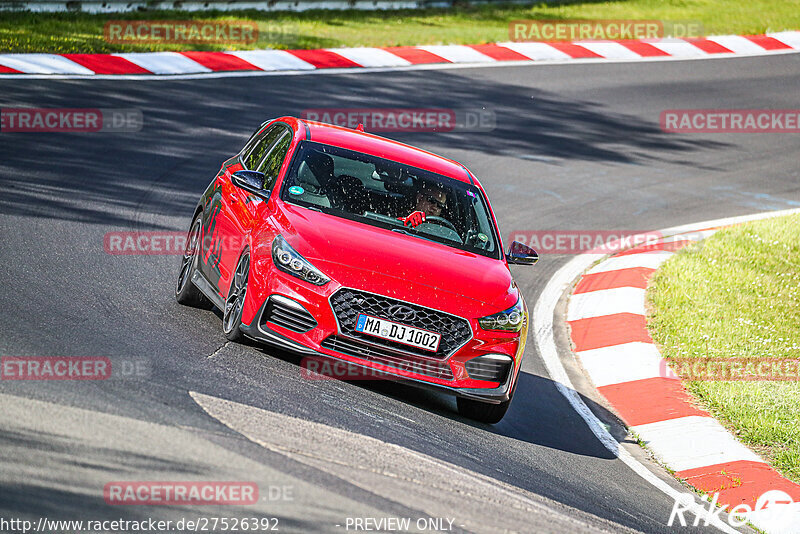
(575, 147)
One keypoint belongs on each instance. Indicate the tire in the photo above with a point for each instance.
(186, 292)
(482, 411)
(232, 314)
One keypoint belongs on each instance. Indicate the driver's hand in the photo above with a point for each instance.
(414, 219)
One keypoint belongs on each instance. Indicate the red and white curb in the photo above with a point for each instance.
(606, 314)
(302, 61)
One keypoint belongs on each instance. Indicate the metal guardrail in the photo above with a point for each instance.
(119, 6)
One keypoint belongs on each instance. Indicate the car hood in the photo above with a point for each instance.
(374, 259)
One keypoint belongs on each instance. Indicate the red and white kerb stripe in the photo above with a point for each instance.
(606, 315)
(172, 63)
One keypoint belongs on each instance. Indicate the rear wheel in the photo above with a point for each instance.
(186, 292)
(232, 314)
(482, 411)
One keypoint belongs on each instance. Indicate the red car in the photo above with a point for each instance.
(336, 243)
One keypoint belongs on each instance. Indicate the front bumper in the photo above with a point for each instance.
(304, 345)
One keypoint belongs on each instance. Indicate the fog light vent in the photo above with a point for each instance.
(491, 367)
(287, 313)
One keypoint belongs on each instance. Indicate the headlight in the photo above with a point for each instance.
(289, 261)
(510, 320)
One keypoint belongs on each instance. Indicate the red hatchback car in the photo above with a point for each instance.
(336, 243)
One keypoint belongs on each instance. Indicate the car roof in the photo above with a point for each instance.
(382, 147)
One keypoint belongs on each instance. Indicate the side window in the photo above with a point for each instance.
(271, 165)
(261, 147)
(258, 134)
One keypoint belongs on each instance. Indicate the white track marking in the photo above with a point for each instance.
(694, 441)
(274, 60)
(650, 260)
(679, 48)
(43, 64)
(371, 57)
(737, 44)
(606, 302)
(545, 342)
(610, 50)
(788, 38)
(624, 363)
(164, 62)
(458, 53)
(536, 51)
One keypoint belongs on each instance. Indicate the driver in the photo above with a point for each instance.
(430, 202)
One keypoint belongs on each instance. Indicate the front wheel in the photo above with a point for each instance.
(186, 292)
(232, 316)
(482, 411)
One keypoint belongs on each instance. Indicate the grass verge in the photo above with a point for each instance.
(83, 33)
(737, 295)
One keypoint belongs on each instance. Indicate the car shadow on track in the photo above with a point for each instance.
(532, 417)
(536, 414)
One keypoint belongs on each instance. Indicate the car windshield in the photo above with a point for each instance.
(384, 193)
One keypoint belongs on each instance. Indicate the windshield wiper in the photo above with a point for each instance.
(415, 234)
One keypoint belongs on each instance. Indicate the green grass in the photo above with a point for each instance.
(737, 295)
(80, 32)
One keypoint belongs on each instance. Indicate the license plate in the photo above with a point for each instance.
(407, 335)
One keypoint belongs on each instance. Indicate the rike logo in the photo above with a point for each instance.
(778, 504)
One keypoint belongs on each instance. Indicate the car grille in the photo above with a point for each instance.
(387, 357)
(348, 303)
(288, 314)
(490, 368)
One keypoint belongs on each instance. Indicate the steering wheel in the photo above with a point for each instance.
(441, 221)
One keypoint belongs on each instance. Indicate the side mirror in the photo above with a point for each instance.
(521, 254)
(252, 181)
